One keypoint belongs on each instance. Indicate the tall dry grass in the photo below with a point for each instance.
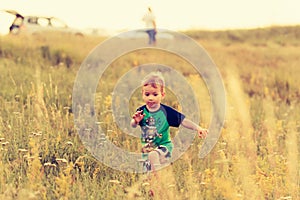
(256, 157)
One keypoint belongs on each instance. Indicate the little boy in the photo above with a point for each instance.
(155, 120)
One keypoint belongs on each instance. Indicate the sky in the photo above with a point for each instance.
(170, 14)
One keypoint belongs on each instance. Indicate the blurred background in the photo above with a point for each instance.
(115, 16)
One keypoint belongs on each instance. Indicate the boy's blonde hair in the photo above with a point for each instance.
(155, 79)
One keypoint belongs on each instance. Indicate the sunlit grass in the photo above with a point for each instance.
(256, 157)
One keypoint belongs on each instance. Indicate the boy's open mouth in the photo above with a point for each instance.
(151, 104)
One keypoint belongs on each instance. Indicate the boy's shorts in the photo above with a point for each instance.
(163, 152)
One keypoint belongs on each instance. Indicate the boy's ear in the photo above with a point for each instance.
(163, 94)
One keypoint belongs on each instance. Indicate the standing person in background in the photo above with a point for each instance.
(149, 19)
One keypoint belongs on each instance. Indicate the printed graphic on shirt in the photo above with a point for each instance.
(149, 131)
(156, 125)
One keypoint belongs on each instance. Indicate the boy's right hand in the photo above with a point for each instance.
(138, 116)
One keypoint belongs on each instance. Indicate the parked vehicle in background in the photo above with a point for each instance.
(39, 24)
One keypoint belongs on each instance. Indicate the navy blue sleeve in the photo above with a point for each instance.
(174, 117)
(141, 108)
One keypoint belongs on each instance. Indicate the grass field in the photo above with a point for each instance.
(256, 157)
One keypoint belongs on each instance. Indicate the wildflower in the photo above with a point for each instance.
(145, 184)
(69, 143)
(28, 157)
(79, 164)
(22, 150)
(66, 108)
(115, 181)
(37, 133)
(88, 129)
(4, 143)
(287, 197)
(61, 160)
(48, 164)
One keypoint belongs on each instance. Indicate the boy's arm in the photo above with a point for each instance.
(202, 132)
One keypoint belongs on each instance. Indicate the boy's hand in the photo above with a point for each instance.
(202, 132)
(138, 116)
(147, 148)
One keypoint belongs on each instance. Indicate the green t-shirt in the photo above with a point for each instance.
(158, 123)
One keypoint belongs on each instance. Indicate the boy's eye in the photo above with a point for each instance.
(147, 94)
(155, 94)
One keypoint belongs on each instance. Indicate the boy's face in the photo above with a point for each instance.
(152, 97)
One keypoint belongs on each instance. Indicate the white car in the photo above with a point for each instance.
(38, 24)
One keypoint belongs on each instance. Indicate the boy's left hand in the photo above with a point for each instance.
(202, 132)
